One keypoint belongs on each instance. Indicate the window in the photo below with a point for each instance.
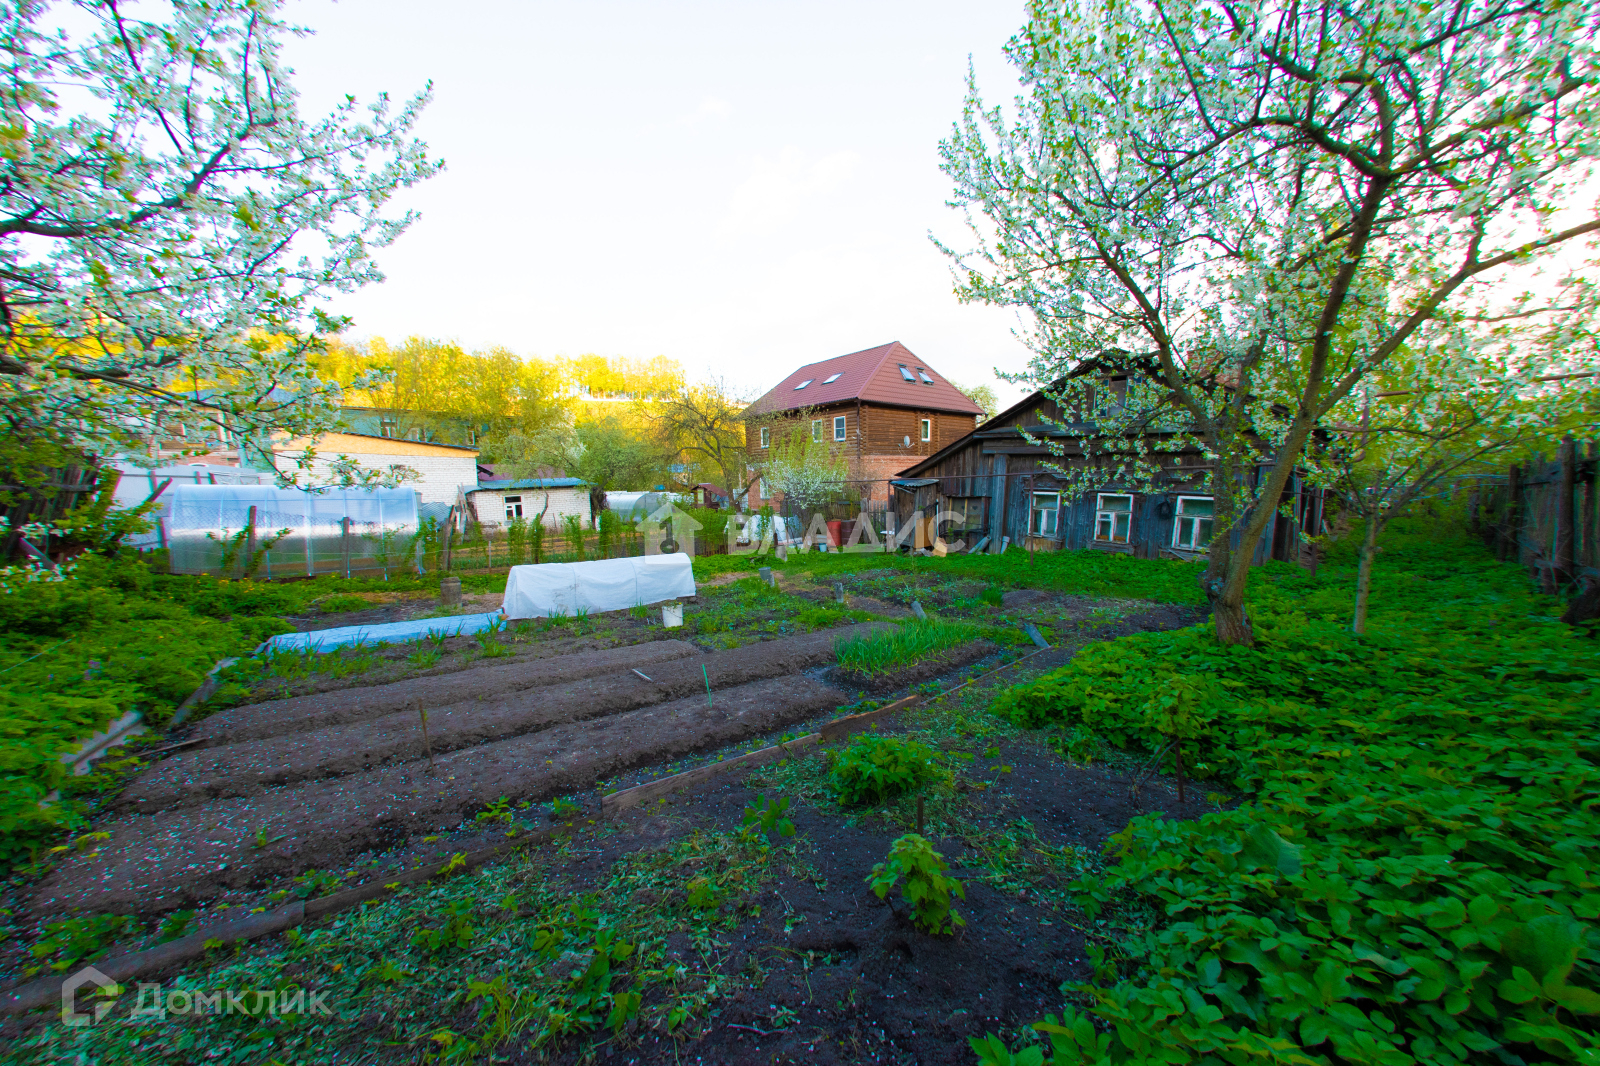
(472, 436)
(414, 433)
(838, 427)
(513, 507)
(1113, 517)
(816, 429)
(803, 384)
(923, 374)
(905, 372)
(388, 427)
(831, 378)
(1046, 506)
(1191, 526)
(927, 429)
(766, 437)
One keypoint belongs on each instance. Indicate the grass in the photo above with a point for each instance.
(876, 653)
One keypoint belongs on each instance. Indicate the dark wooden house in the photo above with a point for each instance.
(998, 483)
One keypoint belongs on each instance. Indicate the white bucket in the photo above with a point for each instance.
(672, 615)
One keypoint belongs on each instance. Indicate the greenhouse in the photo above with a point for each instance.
(265, 532)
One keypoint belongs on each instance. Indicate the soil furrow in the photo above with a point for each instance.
(176, 858)
(245, 769)
(339, 706)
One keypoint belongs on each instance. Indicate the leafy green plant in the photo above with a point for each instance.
(927, 886)
(454, 934)
(701, 893)
(765, 819)
(175, 925)
(872, 769)
(426, 657)
(498, 811)
(74, 940)
(993, 595)
(562, 807)
(908, 643)
(342, 603)
(572, 529)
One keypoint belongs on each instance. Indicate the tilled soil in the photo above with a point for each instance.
(245, 769)
(176, 858)
(322, 709)
(842, 977)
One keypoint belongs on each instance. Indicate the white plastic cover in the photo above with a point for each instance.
(553, 589)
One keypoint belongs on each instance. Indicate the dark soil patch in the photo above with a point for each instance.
(200, 775)
(175, 858)
(489, 678)
(878, 684)
(828, 973)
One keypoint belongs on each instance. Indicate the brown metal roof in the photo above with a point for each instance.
(872, 376)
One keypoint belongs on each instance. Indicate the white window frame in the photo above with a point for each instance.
(389, 428)
(414, 434)
(831, 378)
(1051, 512)
(766, 436)
(1103, 514)
(838, 427)
(764, 489)
(927, 429)
(513, 506)
(816, 429)
(803, 384)
(1177, 522)
(472, 436)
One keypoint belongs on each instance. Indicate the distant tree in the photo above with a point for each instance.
(168, 221)
(1258, 206)
(706, 425)
(983, 396)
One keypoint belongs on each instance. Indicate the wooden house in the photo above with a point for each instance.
(881, 409)
(999, 483)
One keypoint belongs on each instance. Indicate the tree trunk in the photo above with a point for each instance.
(1369, 551)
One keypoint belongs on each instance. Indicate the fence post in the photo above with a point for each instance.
(249, 543)
(1510, 523)
(344, 539)
(1566, 542)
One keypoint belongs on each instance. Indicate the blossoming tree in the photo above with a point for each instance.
(168, 220)
(1247, 210)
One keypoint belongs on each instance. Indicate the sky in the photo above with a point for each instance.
(743, 187)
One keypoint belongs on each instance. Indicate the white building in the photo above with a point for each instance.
(498, 503)
(446, 469)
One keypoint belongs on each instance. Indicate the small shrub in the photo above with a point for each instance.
(873, 769)
(765, 818)
(993, 595)
(455, 934)
(927, 887)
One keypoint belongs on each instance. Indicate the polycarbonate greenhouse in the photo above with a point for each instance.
(268, 532)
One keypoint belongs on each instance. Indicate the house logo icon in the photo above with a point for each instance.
(70, 1015)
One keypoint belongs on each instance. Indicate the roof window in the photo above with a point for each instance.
(923, 374)
(831, 378)
(905, 372)
(803, 384)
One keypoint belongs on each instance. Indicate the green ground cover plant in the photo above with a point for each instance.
(1411, 878)
(454, 969)
(910, 642)
(873, 769)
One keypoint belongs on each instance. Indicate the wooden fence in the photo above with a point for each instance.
(1542, 514)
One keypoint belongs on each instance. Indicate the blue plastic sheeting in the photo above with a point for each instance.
(388, 633)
